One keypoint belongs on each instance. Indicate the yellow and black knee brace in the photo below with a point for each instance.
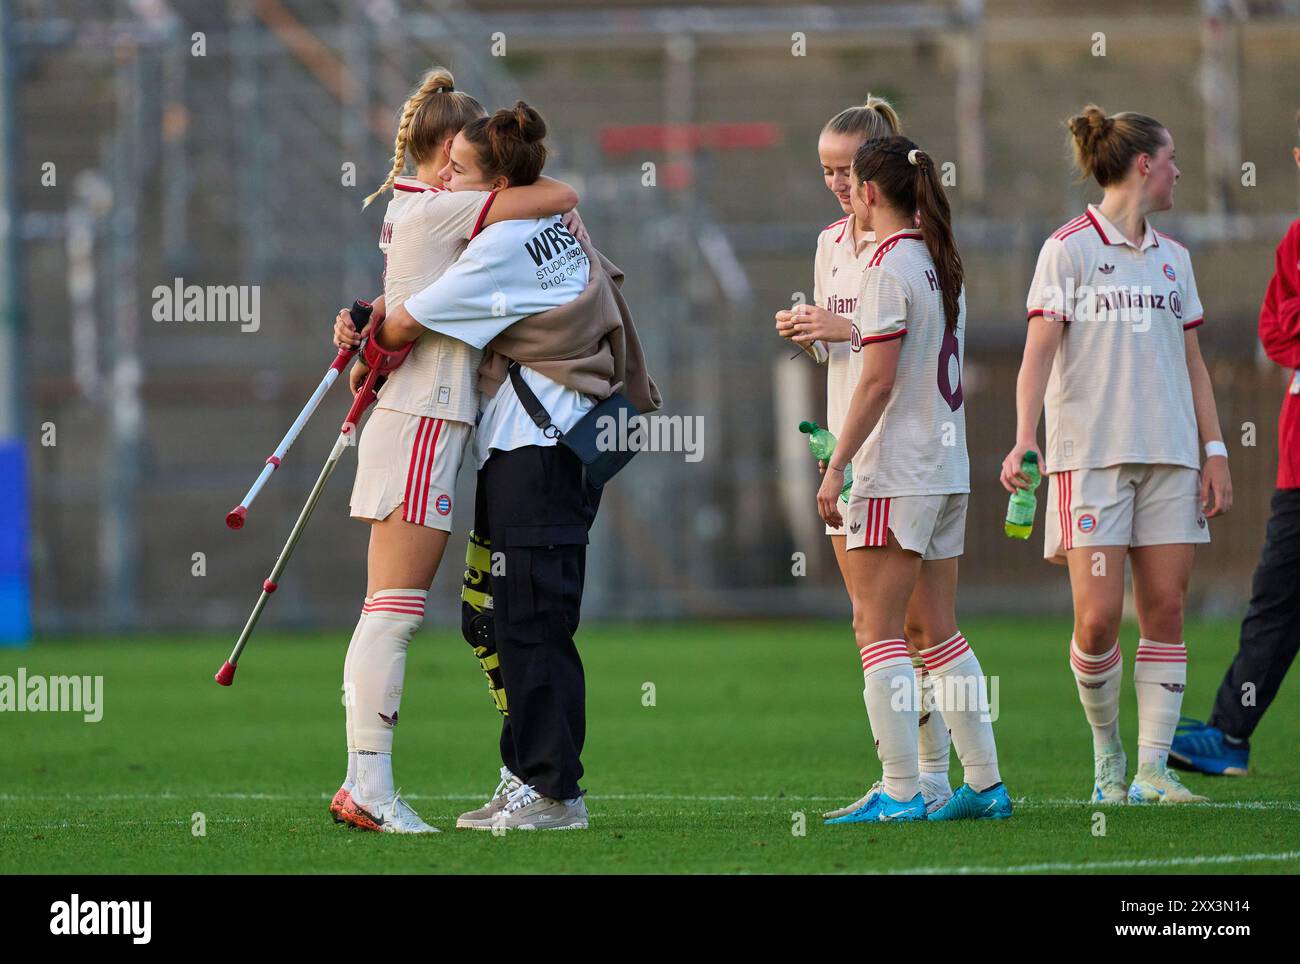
(476, 623)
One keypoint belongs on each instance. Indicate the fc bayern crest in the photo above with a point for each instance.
(443, 505)
(1087, 523)
(1169, 272)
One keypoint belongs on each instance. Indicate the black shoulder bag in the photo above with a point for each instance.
(600, 464)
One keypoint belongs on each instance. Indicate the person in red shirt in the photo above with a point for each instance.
(1270, 633)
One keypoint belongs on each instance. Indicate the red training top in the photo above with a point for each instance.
(1279, 332)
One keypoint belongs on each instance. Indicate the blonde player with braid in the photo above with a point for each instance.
(824, 328)
(413, 444)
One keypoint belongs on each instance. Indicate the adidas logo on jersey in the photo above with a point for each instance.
(1105, 268)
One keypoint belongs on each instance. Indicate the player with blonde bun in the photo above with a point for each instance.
(1112, 352)
(824, 329)
(411, 449)
(905, 430)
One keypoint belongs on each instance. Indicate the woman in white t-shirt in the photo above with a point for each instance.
(1112, 351)
(411, 448)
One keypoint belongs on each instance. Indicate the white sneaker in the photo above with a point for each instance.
(526, 809)
(856, 805)
(1110, 765)
(393, 815)
(935, 790)
(1154, 783)
(481, 819)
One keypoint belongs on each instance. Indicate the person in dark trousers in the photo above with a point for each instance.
(1270, 633)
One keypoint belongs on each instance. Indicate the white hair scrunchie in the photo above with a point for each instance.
(911, 158)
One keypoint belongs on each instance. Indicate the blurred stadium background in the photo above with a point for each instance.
(227, 169)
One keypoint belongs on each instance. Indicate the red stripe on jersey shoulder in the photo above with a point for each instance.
(890, 244)
(1161, 234)
(478, 225)
(836, 224)
(1069, 227)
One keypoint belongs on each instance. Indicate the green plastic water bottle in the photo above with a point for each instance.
(1020, 509)
(822, 445)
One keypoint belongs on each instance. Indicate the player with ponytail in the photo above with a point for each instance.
(1112, 353)
(905, 430)
(824, 327)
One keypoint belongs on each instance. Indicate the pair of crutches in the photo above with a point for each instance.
(360, 312)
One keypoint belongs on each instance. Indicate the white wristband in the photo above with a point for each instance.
(1215, 448)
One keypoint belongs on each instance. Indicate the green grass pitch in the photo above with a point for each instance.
(751, 725)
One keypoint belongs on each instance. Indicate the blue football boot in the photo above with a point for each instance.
(880, 807)
(993, 804)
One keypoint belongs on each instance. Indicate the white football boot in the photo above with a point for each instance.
(393, 815)
(1154, 783)
(481, 819)
(526, 809)
(1110, 765)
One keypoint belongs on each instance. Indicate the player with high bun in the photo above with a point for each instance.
(1112, 351)
(905, 429)
(824, 329)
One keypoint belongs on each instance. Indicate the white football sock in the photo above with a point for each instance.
(1160, 675)
(374, 777)
(962, 692)
(890, 693)
(934, 741)
(350, 780)
(1099, 678)
(377, 669)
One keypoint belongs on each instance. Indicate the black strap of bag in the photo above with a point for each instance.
(600, 464)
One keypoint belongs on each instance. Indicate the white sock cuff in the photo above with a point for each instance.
(1100, 666)
(947, 656)
(1160, 662)
(886, 654)
(396, 602)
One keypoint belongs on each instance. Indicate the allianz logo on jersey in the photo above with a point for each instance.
(1128, 304)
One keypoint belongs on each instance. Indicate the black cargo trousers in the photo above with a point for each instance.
(536, 508)
(1270, 633)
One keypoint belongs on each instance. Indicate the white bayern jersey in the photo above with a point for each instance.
(837, 276)
(511, 270)
(1119, 391)
(919, 445)
(425, 229)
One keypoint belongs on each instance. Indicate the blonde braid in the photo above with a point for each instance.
(434, 82)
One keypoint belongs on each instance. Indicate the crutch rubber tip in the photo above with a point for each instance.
(235, 518)
(226, 675)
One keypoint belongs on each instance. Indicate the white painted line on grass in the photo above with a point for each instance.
(1197, 861)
